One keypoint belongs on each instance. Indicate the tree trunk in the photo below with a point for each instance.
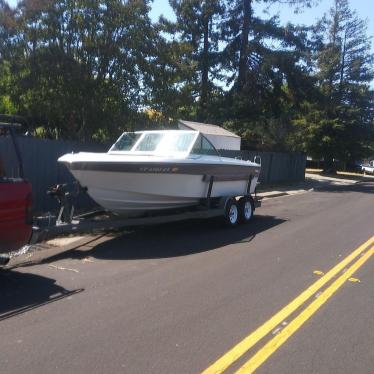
(244, 49)
(329, 167)
(342, 66)
(205, 70)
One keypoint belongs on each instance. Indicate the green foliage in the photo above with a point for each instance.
(197, 26)
(340, 124)
(268, 69)
(78, 66)
(89, 69)
(6, 104)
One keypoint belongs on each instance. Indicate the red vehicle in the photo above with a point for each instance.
(15, 200)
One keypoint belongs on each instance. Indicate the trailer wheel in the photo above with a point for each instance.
(231, 216)
(4, 259)
(246, 208)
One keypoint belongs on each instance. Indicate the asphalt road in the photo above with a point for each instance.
(176, 298)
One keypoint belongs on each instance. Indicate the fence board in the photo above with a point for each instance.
(276, 167)
(41, 168)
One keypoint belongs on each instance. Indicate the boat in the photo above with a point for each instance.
(160, 170)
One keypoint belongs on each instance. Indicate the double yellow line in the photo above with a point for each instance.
(364, 252)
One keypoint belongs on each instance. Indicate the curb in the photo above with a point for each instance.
(293, 190)
(272, 195)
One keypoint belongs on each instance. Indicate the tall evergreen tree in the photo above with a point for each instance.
(340, 125)
(197, 24)
(268, 66)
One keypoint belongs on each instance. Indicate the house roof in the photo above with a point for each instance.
(206, 128)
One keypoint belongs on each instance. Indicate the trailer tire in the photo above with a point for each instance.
(4, 259)
(246, 209)
(232, 212)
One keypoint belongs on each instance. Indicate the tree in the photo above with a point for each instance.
(92, 68)
(170, 87)
(79, 67)
(197, 26)
(6, 21)
(268, 71)
(340, 124)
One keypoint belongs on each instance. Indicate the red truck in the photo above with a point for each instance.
(15, 200)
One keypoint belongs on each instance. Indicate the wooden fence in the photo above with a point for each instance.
(276, 167)
(41, 168)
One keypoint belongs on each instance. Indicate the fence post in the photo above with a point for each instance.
(269, 169)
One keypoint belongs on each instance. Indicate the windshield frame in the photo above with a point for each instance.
(203, 137)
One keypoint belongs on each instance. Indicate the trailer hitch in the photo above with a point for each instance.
(66, 200)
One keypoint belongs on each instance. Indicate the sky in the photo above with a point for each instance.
(364, 9)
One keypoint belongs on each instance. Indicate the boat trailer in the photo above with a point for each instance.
(233, 210)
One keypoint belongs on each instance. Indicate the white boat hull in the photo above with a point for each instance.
(134, 193)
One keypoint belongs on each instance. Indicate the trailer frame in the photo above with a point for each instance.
(101, 220)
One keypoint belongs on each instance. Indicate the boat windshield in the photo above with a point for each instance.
(165, 143)
(160, 143)
(203, 146)
(126, 141)
(176, 143)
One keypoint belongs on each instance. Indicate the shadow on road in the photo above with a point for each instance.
(21, 292)
(172, 240)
